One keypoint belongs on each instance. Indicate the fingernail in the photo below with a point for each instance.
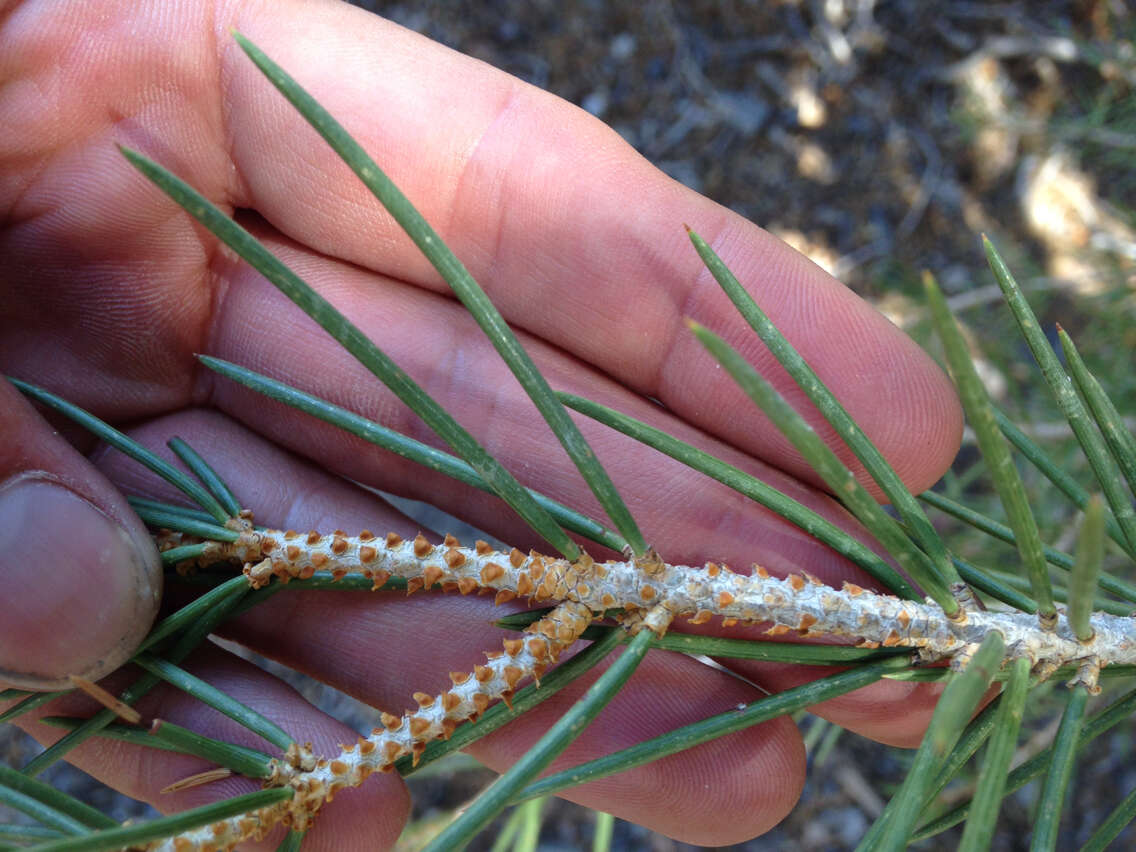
(79, 592)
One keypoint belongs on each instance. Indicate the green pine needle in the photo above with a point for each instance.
(979, 832)
(1119, 711)
(208, 476)
(107, 433)
(830, 408)
(760, 492)
(185, 553)
(157, 829)
(408, 448)
(976, 733)
(508, 833)
(500, 714)
(1071, 406)
(159, 518)
(952, 713)
(30, 702)
(49, 806)
(497, 797)
(1114, 823)
(1108, 582)
(1049, 809)
(1121, 443)
(22, 835)
(995, 450)
(348, 335)
(292, 841)
(170, 737)
(186, 512)
(605, 828)
(1086, 570)
(688, 736)
(464, 286)
(39, 811)
(720, 647)
(214, 604)
(839, 479)
(986, 582)
(1065, 483)
(195, 632)
(217, 699)
(529, 834)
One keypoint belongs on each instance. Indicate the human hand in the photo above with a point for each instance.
(110, 290)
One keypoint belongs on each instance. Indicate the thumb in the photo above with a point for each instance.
(81, 577)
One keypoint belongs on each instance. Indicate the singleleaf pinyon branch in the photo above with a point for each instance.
(643, 592)
(798, 603)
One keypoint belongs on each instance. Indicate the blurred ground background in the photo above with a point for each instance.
(879, 138)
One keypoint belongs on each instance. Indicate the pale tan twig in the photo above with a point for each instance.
(650, 590)
(316, 780)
